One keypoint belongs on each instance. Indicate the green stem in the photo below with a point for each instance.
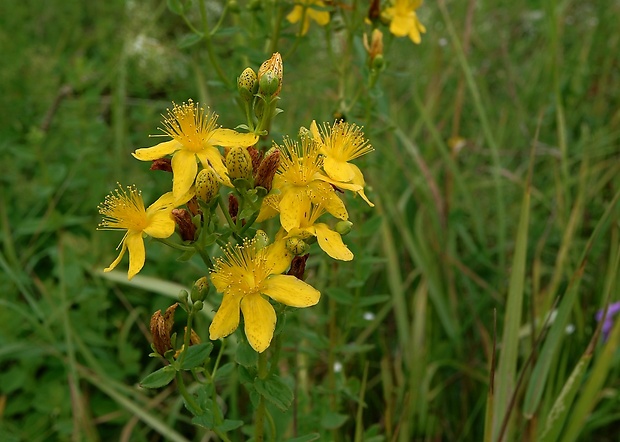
(205, 257)
(220, 201)
(259, 421)
(187, 396)
(176, 246)
(209, 45)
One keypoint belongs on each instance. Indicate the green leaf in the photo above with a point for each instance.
(205, 420)
(196, 355)
(246, 355)
(159, 378)
(229, 425)
(331, 420)
(175, 6)
(275, 391)
(189, 40)
(224, 371)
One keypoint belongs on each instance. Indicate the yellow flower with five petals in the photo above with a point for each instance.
(340, 144)
(404, 20)
(306, 226)
(245, 275)
(194, 134)
(300, 178)
(306, 12)
(124, 209)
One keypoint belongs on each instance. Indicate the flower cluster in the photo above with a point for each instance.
(299, 181)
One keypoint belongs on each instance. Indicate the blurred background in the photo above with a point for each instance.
(501, 100)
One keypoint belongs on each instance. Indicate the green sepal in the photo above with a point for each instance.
(189, 40)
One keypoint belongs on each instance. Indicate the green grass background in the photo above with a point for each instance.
(464, 251)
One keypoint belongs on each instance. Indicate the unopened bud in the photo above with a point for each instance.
(378, 63)
(270, 75)
(296, 246)
(161, 325)
(197, 306)
(374, 48)
(267, 169)
(183, 296)
(298, 266)
(261, 239)
(207, 185)
(344, 227)
(200, 289)
(184, 222)
(239, 163)
(247, 84)
(257, 157)
(233, 206)
(233, 6)
(164, 164)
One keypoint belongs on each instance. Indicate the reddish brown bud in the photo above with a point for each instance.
(256, 156)
(164, 164)
(193, 207)
(298, 266)
(187, 229)
(161, 326)
(233, 206)
(267, 169)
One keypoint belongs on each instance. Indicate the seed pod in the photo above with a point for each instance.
(267, 169)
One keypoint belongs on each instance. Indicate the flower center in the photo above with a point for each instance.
(123, 209)
(190, 125)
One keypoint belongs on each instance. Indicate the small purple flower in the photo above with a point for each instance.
(608, 322)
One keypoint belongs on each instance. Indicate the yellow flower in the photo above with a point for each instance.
(404, 20)
(306, 11)
(299, 178)
(339, 144)
(245, 275)
(124, 210)
(306, 226)
(194, 135)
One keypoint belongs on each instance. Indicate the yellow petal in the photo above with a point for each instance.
(331, 243)
(322, 193)
(137, 254)
(232, 138)
(184, 170)
(161, 224)
(279, 256)
(211, 157)
(321, 17)
(118, 258)
(292, 206)
(337, 169)
(400, 26)
(260, 321)
(220, 282)
(291, 291)
(358, 178)
(226, 319)
(295, 15)
(158, 151)
(314, 130)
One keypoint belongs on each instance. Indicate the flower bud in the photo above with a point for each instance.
(184, 222)
(239, 163)
(261, 238)
(207, 185)
(233, 206)
(296, 246)
(298, 266)
(247, 84)
(270, 76)
(197, 306)
(164, 164)
(200, 290)
(267, 169)
(374, 48)
(344, 227)
(161, 325)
